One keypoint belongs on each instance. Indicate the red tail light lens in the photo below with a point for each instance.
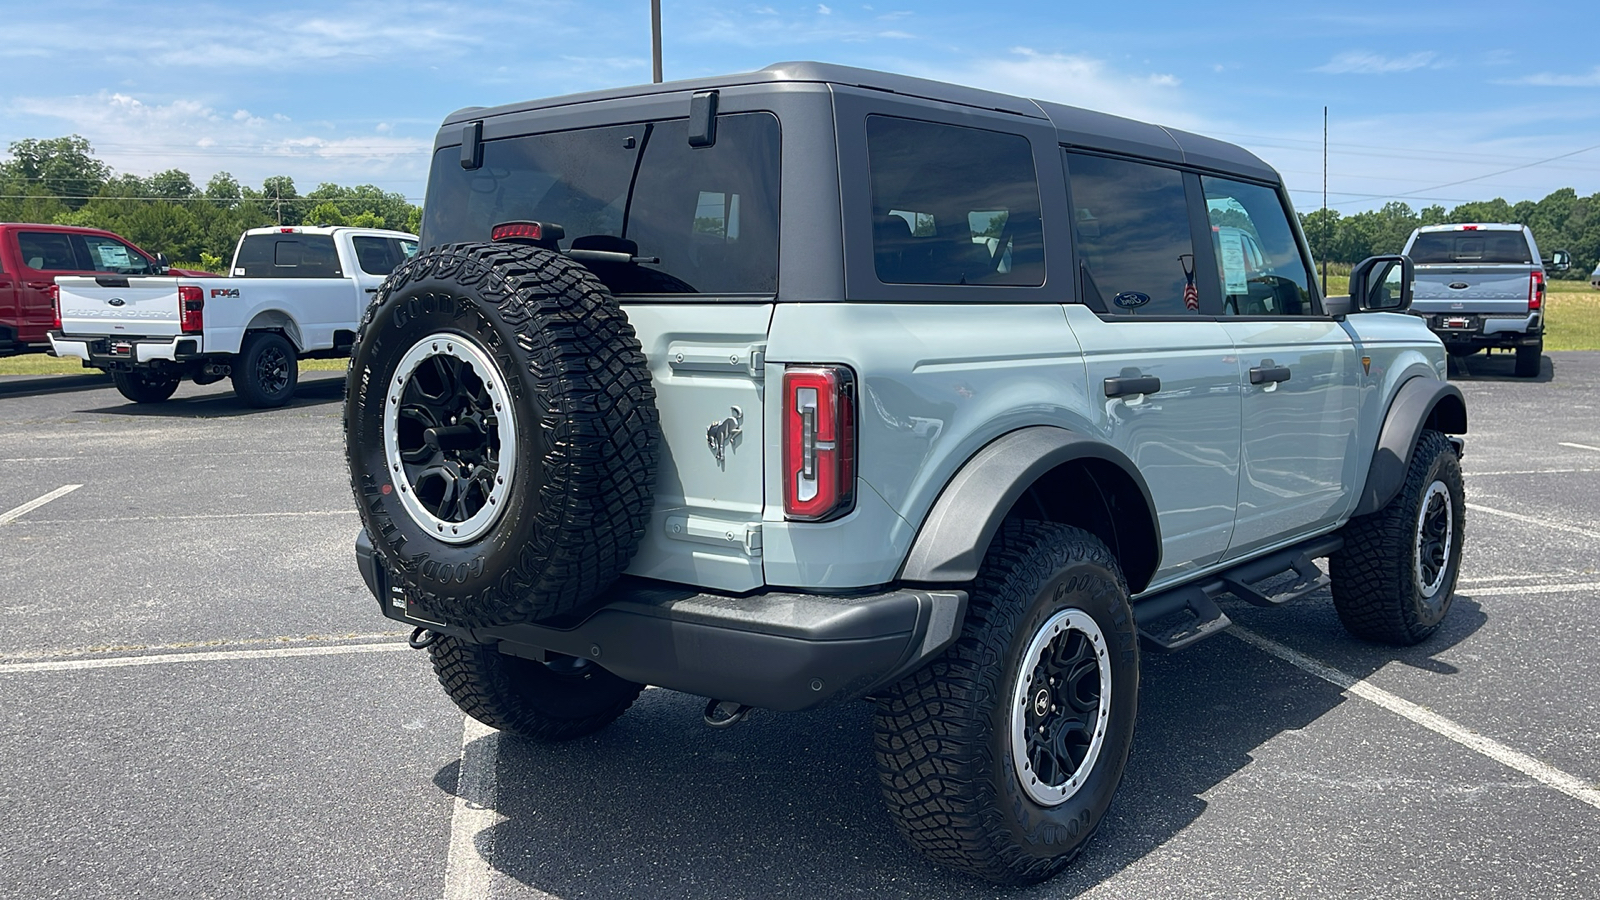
(819, 442)
(191, 309)
(55, 301)
(1536, 291)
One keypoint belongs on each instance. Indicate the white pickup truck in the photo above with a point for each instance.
(293, 293)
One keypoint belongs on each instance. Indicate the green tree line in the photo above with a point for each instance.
(59, 181)
(1561, 221)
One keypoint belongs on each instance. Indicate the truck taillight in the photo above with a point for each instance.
(191, 309)
(55, 303)
(819, 442)
(1536, 291)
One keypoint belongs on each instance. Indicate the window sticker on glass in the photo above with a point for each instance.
(114, 256)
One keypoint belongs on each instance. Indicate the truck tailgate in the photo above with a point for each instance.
(136, 307)
(1483, 288)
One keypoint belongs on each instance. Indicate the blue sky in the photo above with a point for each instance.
(1429, 102)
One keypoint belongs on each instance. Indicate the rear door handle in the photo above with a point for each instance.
(1124, 385)
(1269, 374)
(40, 285)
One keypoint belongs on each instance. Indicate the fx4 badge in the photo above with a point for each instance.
(721, 434)
(232, 293)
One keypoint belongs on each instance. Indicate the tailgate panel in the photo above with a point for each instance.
(1488, 289)
(147, 307)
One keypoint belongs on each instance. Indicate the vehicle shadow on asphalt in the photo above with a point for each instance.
(223, 405)
(1485, 366)
(788, 804)
(35, 385)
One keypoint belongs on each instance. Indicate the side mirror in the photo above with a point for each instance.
(1560, 261)
(1338, 307)
(162, 265)
(1382, 284)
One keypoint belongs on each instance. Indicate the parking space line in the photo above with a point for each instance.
(467, 871)
(1545, 774)
(1516, 589)
(1533, 520)
(1578, 446)
(61, 653)
(162, 659)
(7, 518)
(196, 517)
(1583, 471)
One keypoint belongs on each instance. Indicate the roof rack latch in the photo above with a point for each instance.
(472, 146)
(703, 119)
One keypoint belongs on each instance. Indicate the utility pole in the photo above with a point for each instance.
(655, 41)
(1325, 248)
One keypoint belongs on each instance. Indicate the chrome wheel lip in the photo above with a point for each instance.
(1446, 509)
(472, 354)
(1022, 699)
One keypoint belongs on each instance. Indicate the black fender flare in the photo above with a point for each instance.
(956, 533)
(1421, 401)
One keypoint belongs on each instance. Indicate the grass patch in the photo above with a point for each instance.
(1572, 320)
(44, 364)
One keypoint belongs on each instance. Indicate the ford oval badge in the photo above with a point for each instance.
(1459, 285)
(1130, 299)
(116, 301)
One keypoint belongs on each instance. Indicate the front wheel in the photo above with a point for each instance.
(563, 698)
(1395, 578)
(267, 370)
(145, 387)
(1001, 757)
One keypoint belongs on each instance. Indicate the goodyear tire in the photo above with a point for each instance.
(1001, 757)
(501, 432)
(145, 387)
(1395, 578)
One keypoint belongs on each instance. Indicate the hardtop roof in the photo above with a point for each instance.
(1076, 127)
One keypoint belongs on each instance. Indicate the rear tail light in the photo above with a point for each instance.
(819, 442)
(191, 309)
(1536, 291)
(55, 303)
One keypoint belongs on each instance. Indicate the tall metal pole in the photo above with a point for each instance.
(655, 41)
(1325, 223)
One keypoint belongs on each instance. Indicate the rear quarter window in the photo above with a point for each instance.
(46, 251)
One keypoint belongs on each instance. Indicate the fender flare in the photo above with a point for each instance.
(1419, 401)
(956, 533)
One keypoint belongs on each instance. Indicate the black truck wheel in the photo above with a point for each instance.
(145, 387)
(266, 371)
(501, 432)
(1000, 758)
(1396, 576)
(1529, 358)
(563, 698)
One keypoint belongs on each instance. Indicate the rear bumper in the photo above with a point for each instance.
(781, 651)
(1486, 330)
(106, 352)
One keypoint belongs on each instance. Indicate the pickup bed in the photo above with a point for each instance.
(1482, 286)
(294, 293)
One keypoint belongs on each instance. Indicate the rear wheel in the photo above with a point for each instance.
(1001, 757)
(563, 698)
(145, 387)
(1529, 357)
(267, 370)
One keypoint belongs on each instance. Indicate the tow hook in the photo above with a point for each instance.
(422, 639)
(726, 713)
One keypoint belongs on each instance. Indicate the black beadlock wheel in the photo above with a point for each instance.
(145, 387)
(266, 371)
(501, 432)
(557, 700)
(1001, 757)
(1395, 578)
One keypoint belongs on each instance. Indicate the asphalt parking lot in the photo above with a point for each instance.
(200, 699)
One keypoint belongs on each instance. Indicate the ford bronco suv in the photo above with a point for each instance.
(814, 384)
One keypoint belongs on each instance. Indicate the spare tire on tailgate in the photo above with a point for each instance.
(502, 433)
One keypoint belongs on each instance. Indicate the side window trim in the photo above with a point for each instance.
(1205, 256)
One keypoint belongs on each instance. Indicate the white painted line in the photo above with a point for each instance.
(1517, 589)
(163, 659)
(467, 871)
(1578, 446)
(8, 517)
(1487, 579)
(1545, 774)
(62, 653)
(195, 517)
(1532, 472)
(1533, 520)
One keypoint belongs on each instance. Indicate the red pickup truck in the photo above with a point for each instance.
(31, 256)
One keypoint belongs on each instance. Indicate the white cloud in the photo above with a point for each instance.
(1549, 79)
(1362, 62)
(823, 10)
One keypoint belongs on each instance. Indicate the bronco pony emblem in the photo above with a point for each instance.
(721, 434)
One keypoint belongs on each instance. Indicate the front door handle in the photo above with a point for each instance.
(1269, 374)
(1124, 385)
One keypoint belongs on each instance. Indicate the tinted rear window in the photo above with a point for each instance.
(46, 250)
(288, 256)
(710, 214)
(1471, 247)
